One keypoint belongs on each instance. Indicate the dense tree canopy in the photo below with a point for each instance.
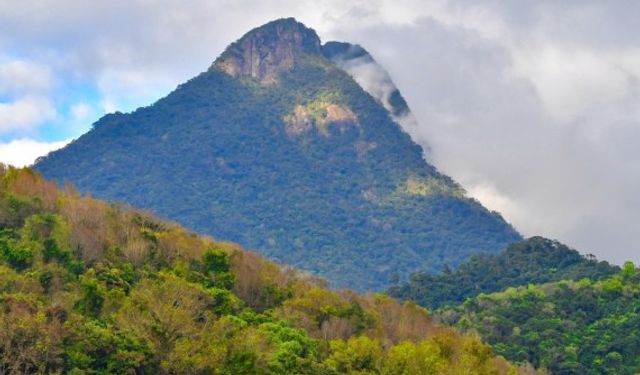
(88, 287)
(570, 327)
(533, 261)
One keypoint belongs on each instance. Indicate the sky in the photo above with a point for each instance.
(533, 106)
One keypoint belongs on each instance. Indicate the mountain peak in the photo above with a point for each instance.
(267, 50)
(313, 170)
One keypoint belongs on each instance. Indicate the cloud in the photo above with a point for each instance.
(534, 106)
(23, 152)
(24, 89)
(572, 81)
(547, 131)
(20, 76)
(81, 112)
(25, 113)
(371, 77)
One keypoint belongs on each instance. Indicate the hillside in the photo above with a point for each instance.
(88, 287)
(277, 148)
(570, 327)
(536, 260)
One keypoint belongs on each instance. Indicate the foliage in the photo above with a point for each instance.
(570, 327)
(215, 155)
(533, 261)
(106, 289)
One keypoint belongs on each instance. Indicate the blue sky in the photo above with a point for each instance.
(533, 106)
(50, 104)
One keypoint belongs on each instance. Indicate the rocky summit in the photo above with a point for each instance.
(281, 147)
(269, 50)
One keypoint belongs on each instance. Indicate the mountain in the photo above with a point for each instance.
(278, 148)
(536, 260)
(89, 287)
(569, 327)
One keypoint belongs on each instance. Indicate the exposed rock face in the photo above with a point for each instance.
(266, 51)
(321, 114)
(298, 122)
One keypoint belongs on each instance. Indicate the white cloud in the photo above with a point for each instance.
(495, 200)
(24, 95)
(126, 88)
(547, 131)
(81, 112)
(25, 113)
(20, 76)
(572, 81)
(23, 152)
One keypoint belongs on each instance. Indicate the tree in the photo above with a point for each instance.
(357, 355)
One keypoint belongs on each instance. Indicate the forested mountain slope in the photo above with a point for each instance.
(570, 327)
(88, 287)
(533, 261)
(276, 147)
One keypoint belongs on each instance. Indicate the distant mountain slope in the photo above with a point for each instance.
(533, 261)
(88, 287)
(569, 327)
(276, 147)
